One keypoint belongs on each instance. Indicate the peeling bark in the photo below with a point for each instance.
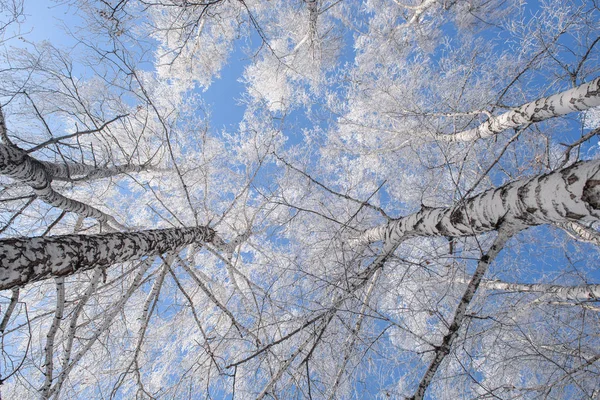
(27, 260)
(581, 232)
(581, 98)
(570, 194)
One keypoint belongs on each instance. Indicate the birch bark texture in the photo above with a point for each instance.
(558, 292)
(570, 194)
(17, 164)
(28, 260)
(580, 98)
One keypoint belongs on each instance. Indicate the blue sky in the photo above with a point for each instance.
(46, 20)
(42, 23)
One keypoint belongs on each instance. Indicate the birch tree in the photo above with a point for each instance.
(408, 207)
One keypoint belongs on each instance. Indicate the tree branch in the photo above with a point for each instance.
(443, 349)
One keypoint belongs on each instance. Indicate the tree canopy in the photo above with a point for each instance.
(403, 201)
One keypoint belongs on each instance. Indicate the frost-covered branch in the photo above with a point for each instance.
(109, 316)
(51, 335)
(56, 140)
(350, 342)
(17, 164)
(443, 349)
(241, 328)
(70, 335)
(580, 98)
(313, 15)
(570, 194)
(27, 260)
(147, 311)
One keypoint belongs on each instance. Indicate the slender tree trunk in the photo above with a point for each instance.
(26, 260)
(570, 194)
(442, 350)
(581, 98)
(19, 165)
(558, 292)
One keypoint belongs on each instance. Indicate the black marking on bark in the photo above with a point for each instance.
(572, 179)
(500, 222)
(591, 193)
(456, 217)
(572, 215)
(442, 228)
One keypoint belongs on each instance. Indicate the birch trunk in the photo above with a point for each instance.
(442, 350)
(581, 98)
(17, 164)
(570, 194)
(27, 260)
(559, 292)
(72, 172)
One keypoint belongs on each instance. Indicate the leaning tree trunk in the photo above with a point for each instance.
(26, 260)
(556, 292)
(570, 194)
(17, 164)
(580, 98)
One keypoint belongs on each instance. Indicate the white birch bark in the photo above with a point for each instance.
(558, 292)
(570, 194)
(581, 232)
(73, 172)
(17, 164)
(26, 260)
(51, 336)
(580, 98)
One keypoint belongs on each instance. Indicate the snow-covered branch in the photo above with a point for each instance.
(109, 316)
(17, 164)
(444, 348)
